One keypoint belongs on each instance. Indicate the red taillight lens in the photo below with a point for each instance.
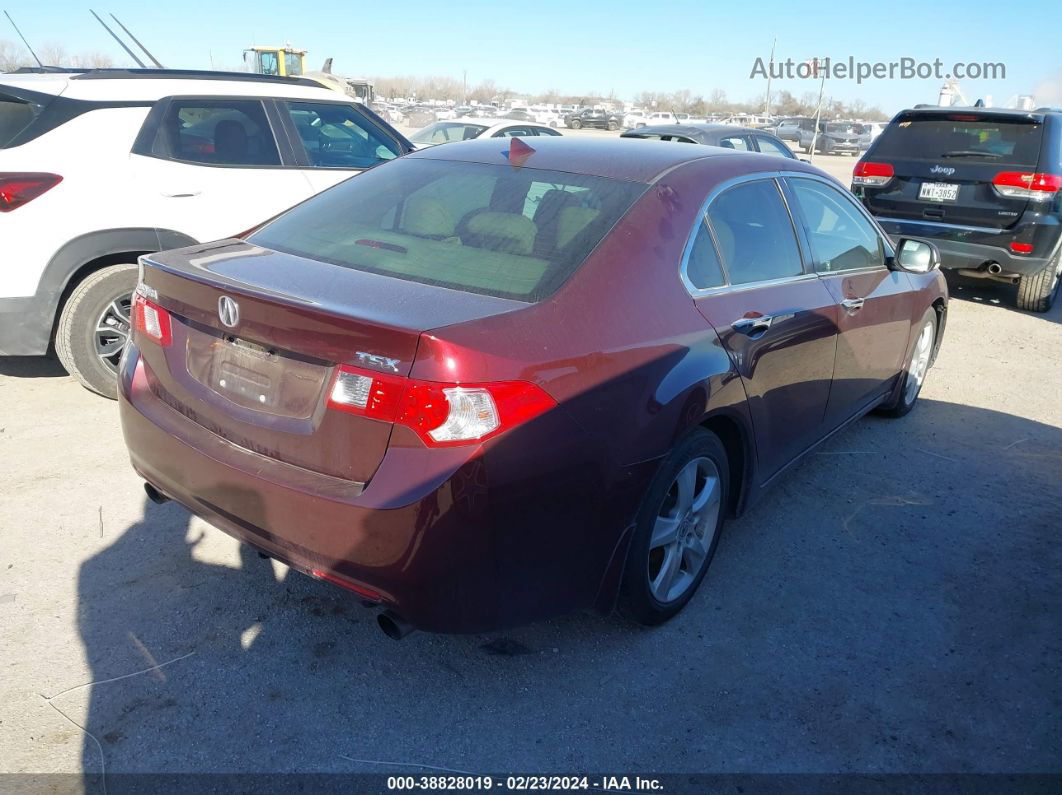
(872, 174)
(1027, 185)
(442, 414)
(1021, 248)
(19, 189)
(151, 320)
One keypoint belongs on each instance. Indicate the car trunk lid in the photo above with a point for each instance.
(257, 335)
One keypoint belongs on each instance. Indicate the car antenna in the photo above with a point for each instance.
(136, 41)
(115, 36)
(19, 32)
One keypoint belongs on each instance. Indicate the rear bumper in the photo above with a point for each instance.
(969, 248)
(25, 326)
(452, 539)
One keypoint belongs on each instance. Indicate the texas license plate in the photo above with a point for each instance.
(938, 192)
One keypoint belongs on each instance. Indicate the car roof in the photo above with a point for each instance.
(615, 158)
(998, 113)
(149, 85)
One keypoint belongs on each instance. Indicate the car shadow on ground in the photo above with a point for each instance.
(31, 367)
(985, 291)
(891, 606)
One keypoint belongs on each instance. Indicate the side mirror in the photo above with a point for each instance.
(917, 256)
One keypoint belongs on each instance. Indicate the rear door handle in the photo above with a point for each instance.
(752, 326)
(852, 304)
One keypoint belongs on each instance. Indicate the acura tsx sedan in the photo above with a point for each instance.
(495, 381)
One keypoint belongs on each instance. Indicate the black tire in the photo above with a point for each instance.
(905, 399)
(575, 124)
(76, 337)
(612, 126)
(1037, 293)
(637, 600)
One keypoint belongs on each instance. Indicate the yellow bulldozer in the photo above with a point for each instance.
(287, 61)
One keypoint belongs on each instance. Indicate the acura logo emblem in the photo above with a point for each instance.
(228, 311)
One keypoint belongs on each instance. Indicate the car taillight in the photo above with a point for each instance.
(1021, 248)
(872, 174)
(1026, 185)
(442, 414)
(19, 189)
(151, 320)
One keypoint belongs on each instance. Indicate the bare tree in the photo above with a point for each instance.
(13, 56)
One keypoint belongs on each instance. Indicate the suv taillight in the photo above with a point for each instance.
(873, 175)
(1026, 185)
(442, 414)
(19, 189)
(151, 320)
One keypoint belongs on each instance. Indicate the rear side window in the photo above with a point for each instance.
(493, 230)
(755, 234)
(219, 132)
(337, 136)
(961, 138)
(702, 266)
(445, 131)
(15, 116)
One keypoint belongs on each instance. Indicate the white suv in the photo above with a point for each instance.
(100, 166)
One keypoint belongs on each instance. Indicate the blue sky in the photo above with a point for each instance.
(592, 46)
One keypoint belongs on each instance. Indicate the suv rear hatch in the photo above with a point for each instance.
(263, 383)
(944, 166)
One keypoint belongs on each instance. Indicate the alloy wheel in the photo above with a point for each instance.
(112, 330)
(684, 530)
(916, 370)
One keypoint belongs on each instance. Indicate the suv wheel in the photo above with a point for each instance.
(94, 327)
(1037, 293)
(677, 530)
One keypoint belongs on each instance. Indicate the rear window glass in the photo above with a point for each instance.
(15, 116)
(445, 131)
(493, 230)
(961, 139)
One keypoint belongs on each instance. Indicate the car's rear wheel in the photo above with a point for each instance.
(1037, 293)
(94, 327)
(677, 530)
(613, 126)
(575, 124)
(914, 375)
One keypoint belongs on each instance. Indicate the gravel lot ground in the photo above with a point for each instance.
(894, 605)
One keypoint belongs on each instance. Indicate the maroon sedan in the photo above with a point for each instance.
(487, 383)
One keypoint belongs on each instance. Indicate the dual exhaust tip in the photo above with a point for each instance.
(390, 623)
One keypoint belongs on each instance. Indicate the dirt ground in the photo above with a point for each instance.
(894, 605)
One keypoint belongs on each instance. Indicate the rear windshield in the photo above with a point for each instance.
(444, 131)
(961, 138)
(845, 127)
(493, 230)
(15, 116)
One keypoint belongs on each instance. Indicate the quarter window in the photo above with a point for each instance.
(755, 234)
(702, 267)
(335, 135)
(220, 132)
(841, 238)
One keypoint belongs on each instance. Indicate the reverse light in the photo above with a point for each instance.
(151, 320)
(873, 175)
(19, 189)
(442, 414)
(1027, 185)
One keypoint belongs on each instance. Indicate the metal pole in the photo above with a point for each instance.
(818, 111)
(19, 32)
(137, 42)
(130, 52)
(767, 101)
